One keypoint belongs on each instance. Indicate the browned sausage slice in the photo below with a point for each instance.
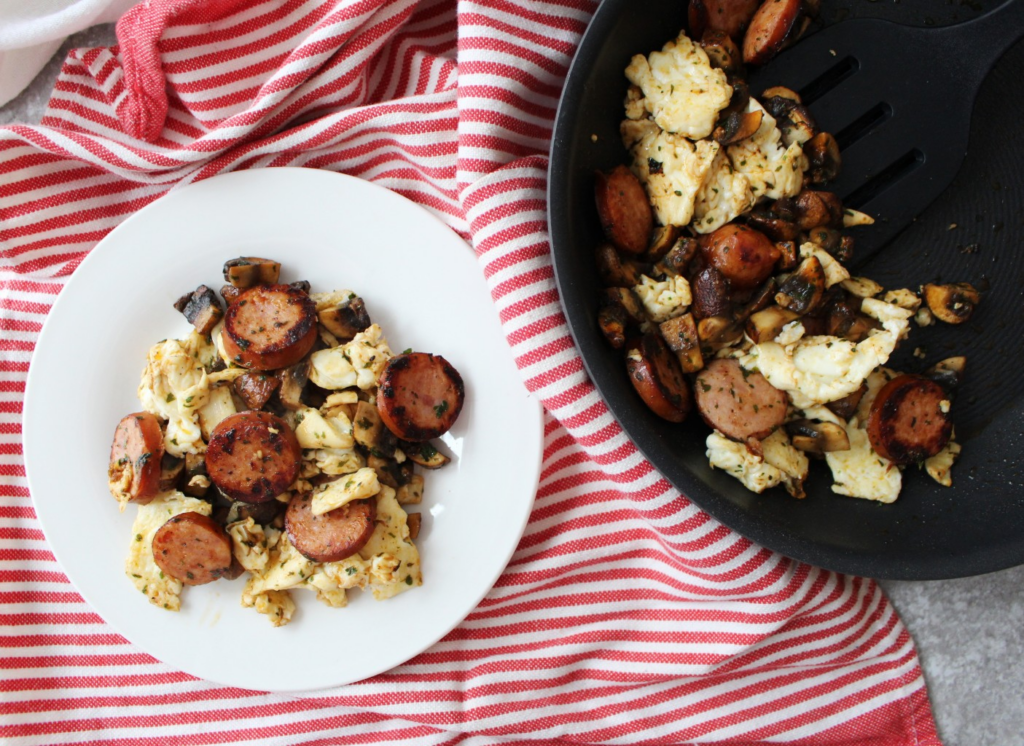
(738, 403)
(419, 396)
(270, 327)
(770, 29)
(730, 16)
(625, 212)
(333, 536)
(657, 377)
(253, 456)
(193, 548)
(135, 456)
(745, 256)
(906, 423)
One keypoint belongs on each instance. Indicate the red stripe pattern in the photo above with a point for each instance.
(626, 615)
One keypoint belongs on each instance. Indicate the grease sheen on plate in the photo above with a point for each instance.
(339, 231)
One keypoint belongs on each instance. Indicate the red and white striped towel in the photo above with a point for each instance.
(626, 615)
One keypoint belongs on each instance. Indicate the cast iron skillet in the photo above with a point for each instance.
(930, 532)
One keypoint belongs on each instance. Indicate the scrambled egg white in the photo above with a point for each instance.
(939, 465)
(337, 461)
(174, 386)
(357, 486)
(314, 430)
(821, 369)
(772, 168)
(358, 362)
(835, 272)
(666, 299)
(161, 590)
(778, 463)
(395, 561)
(681, 89)
(671, 168)
(860, 472)
(724, 195)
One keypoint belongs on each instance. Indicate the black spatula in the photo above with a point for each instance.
(899, 100)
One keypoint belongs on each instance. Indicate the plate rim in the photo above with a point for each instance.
(773, 537)
(535, 407)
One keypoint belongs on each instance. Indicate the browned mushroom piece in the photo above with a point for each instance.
(614, 271)
(680, 255)
(789, 255)
(626, 299)
(716, 332)
(803, 289)
(782, 92)
(424, 454)
(737, 126)
(624, 210)
(369, 431)
(846, 407)
(760, 300)
(948, 373)
(256, 388)
(680, 334)
(246, 271)
(797, 125)
(764, 326)
(293, 382)
(662, 241)
(722, 51)
(823, 156)
(710, 291)
(195, 482)
(772, 226)
(414, 521)
(953, 303)
(817, 437)
(816, 208)
(346, 319)
(201, 308)
(620, 313)
(171, 469)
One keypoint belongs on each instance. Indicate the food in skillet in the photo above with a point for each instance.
(280, 438)
(725, 275)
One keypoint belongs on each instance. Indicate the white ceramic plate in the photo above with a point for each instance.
(421, 283)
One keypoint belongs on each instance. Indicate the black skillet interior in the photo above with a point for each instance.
(974, 232)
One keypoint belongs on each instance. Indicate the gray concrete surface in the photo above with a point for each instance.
(970, 632)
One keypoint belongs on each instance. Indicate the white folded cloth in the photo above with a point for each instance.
(32, 30)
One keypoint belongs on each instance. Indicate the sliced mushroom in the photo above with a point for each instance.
(678, 259)
(369, 431)
(202, 309)
(613, 270)
(345, 320)
(613, 321)
(293, 383)
(948, 373)
(797, 126)
(804, 288)
(722, 51)
(256, 388)
(716, 332)
(424, 454)
(832, 241)
(195, 483)
(760, 300)
(953, 303)
(782, 92)
(681, 336)
(413, 521)
(817, 437)
(822, 153)
(171, 467)
(843, 310)
(789, 255)
(846, 407)
(662, 241)
(815, 208)
(389, 471)
(246, 271)
(737, 126)
(626, 299)
(774, 227)
(764, 326)
(710, 292)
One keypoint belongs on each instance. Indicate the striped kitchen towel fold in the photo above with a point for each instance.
(627, 615)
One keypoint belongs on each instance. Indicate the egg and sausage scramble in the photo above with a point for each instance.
(192, 384)
(695, 185)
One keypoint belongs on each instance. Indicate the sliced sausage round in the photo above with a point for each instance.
(253, 456)
(193, 548)
(624, 210)
(737, 403)
(135, 456)
(744, 255)
(770, 29)
(270, 327)
(419, 396)
(334, 535)
(656, 375)
(907, 423)
(730, 16)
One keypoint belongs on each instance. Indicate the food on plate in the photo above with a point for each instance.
(726, 274)
(279, 438)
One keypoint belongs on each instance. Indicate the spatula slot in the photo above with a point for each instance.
(900, 169)
(864, 125)
(829, 79)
